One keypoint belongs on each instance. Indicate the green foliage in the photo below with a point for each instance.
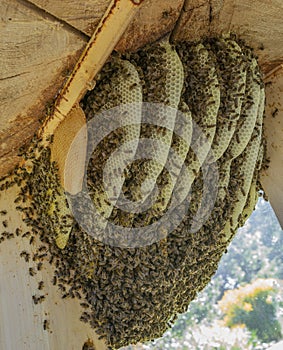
(253, 306)
(255, 252)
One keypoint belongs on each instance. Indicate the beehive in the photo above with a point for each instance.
(75, 244)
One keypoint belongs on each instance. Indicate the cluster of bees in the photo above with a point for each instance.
(133, 294)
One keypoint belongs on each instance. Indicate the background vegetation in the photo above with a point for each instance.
(242, 307)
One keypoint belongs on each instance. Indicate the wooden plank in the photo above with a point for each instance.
(36, 49)
(22, 321)
(155, 19)
(258, 22)
(35, 52)
(82, 15)
(271, 178)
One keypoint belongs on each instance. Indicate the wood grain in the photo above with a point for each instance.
(155, 19)
(40, 42)
(82, 15)
(35, 53)
(42, 39)
(258, 22)
(271, 178)
(21, 319)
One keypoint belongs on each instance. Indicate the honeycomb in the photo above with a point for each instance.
(199, 109)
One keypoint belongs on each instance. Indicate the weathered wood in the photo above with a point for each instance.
(258, 22)
(82, 15)
(155, 19)
(22, 321)
(98, 49)
(271, 178)
(53, 323)
(35, 53)
(41, 41)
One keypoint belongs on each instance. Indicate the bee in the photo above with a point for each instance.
(275, 112)
(254, 137)
(32, 271)
(133, 86)
(61, 287)
(41, 298)
(45, 325)
(83, 318)
(77, 294)
(24, 254)
(38, 299)
(84, 305)
(18, 231)
(17, 200)
(243, 191)
(230, 125)
(195, 172)
(26, 234)
(237, 138)
(40, 285)
(211, 126)
(9, 235)
(54, 280)
(210, 103)
(42, 248)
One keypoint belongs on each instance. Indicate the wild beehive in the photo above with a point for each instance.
(36, 56)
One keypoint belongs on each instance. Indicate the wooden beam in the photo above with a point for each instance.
(41, 40)
(36, 53)
(258, 22)
(155, 18)
(271, 178)
(82, 15)
(52, 323)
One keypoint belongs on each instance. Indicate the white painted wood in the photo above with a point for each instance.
(21, 325)
(272, 178)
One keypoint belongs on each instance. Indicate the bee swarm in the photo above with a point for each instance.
(132, 295)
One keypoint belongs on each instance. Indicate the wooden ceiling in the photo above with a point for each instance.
(41, 40)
